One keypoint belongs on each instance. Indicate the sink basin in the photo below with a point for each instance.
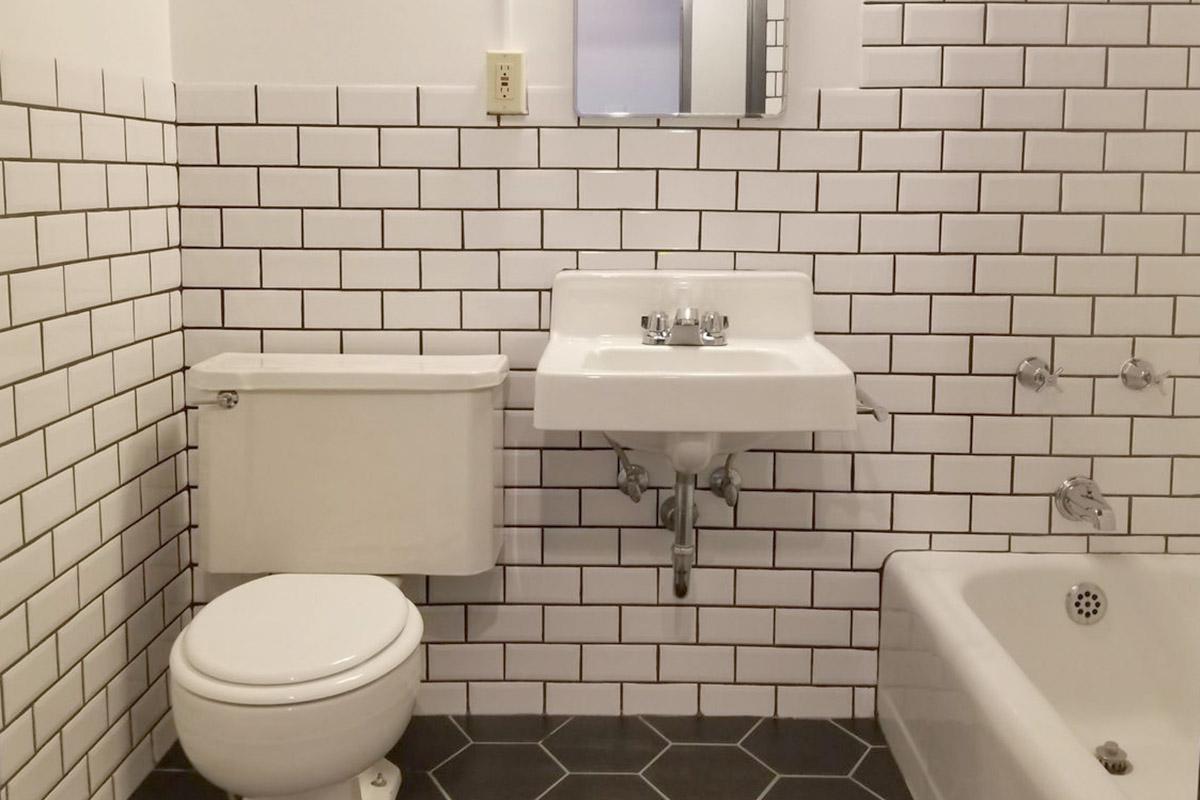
(691, 403)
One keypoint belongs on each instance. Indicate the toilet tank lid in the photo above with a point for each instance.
(346, 372)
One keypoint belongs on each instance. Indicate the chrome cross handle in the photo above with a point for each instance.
(1034, 373)
(1138, 374)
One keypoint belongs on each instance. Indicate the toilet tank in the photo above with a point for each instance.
(349, 463)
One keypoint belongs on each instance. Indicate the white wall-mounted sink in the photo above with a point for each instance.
(689, 402)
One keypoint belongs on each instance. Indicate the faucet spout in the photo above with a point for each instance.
(1102, 517)
(1079, 499)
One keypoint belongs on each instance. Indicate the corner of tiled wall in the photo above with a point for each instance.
(94, 553)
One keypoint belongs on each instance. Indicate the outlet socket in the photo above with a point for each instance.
(506, 82)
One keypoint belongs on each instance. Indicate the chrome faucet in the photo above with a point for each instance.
(1079, 499)
(689, 328)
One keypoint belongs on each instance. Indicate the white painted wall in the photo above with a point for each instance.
(335, 41)
(439, 42)
(129, 36)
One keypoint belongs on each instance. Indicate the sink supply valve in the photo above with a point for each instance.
(869, 405)
(632, 479)
(1113, 758)
(1138, 374)
(689, 328)
(726, 482)
(1034, 373)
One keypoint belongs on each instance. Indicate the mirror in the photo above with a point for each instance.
(665, 58)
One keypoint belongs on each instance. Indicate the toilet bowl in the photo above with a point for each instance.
(296, 685)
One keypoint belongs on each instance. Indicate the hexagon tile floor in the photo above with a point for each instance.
(618, 758)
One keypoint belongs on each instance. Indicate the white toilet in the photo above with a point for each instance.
(328, 470)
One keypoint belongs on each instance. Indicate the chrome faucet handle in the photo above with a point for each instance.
(1139, 374)
(713, 325)
(655, 327)
(1034, 373)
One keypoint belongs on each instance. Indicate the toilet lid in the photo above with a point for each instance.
(285, 629)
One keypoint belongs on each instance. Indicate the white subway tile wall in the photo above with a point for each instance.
(1013, 180)
(1021, 184)
(95, 579)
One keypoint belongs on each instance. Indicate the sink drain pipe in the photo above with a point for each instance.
(680, 515)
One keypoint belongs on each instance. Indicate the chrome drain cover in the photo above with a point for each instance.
(1086, 603)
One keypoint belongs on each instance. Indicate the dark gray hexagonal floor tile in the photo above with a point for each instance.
(866, 729)
(805, 747)
(817, 789)
(418, 786)
(605, 744)
(516, 728)
(705, 730)
(708, 772)
(879, 772)
(174, 758)
(427, 742)
(498, 772)
(177, 785)
(602, 787)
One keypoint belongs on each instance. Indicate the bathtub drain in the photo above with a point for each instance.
(1086, 603)
(1113, 758)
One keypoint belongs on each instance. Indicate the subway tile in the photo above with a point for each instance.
(1011, 23)
(1065, 66)
(499, 147)
(684, 189)
(28, 79)
(292, 104)
(377, 105)
(943, 24)
(80, 87)
(255, 146)
(418, 147)
(663, 148)
(983, 66)
(1107, 24)
(824, 150)
(1022, 108)
(941, 108)
(1174, 25)
(738, 149)
(346, 147)
(860, 108)
(1104, 108)
(578, 147)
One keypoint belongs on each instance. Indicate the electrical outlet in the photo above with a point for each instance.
(506, 82)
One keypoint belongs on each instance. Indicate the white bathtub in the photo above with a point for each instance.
(988, 691)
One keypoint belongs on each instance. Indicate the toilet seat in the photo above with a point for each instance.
(289, 638)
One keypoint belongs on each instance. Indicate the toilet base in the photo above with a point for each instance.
(380, 781)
